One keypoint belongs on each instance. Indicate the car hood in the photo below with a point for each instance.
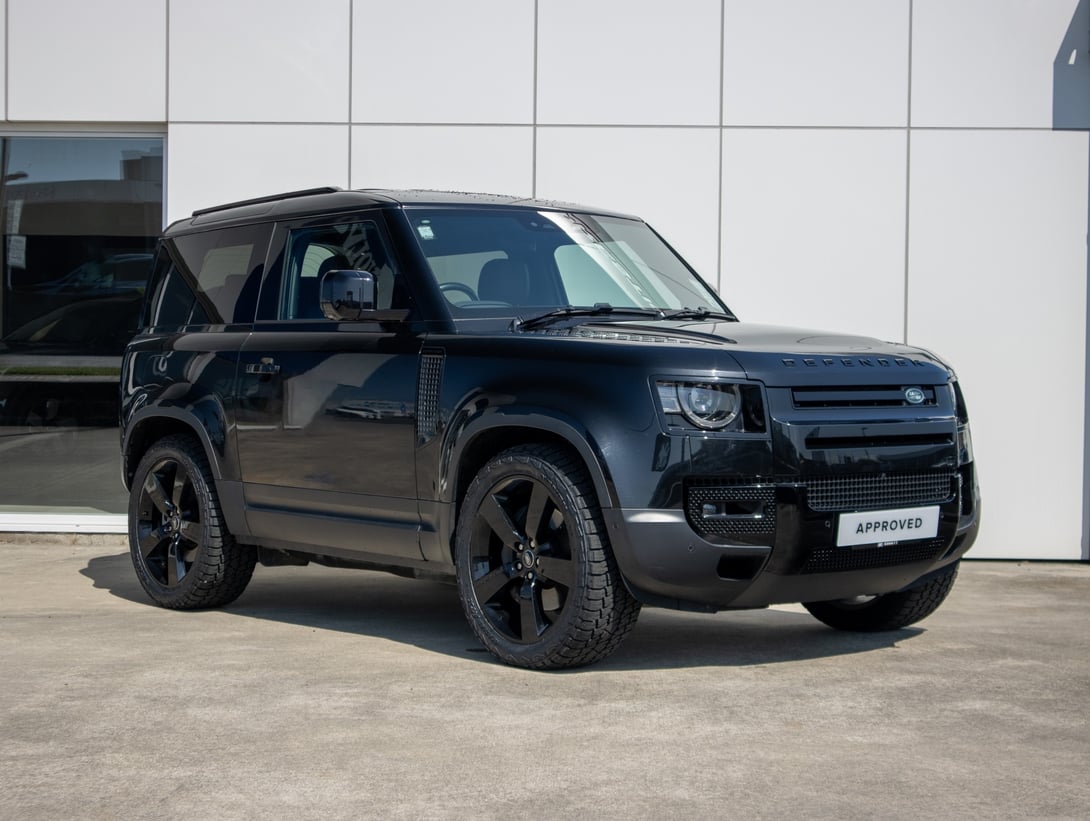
(779, 355)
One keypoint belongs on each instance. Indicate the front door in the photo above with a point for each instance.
(325, 422)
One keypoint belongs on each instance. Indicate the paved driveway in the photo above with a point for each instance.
(346, 694)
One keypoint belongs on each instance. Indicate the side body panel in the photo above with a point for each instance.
(326, 441)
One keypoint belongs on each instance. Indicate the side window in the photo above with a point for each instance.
(209, 278)
(313, 251)
(170, 300)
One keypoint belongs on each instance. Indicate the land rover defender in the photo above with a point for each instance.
(542, 402)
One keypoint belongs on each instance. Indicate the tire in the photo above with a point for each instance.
(536, 576)
(891, 611)
(183, 554)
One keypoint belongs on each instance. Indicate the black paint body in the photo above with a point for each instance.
(353, 442)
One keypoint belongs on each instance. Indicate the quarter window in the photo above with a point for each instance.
(213, 278)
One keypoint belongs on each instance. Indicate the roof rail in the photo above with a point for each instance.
(328, 189)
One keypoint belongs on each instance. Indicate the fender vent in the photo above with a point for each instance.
(427, 396)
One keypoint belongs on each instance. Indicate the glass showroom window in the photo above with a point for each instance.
(80, 217)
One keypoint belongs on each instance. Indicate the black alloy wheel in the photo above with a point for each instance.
(169, 528)
(536, 576)
(182, 552)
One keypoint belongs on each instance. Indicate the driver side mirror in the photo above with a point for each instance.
(346, 295)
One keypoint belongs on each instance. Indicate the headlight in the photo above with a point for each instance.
(710, 406)
(714, 405)
(965, 438)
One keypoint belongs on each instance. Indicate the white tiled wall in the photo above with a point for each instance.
(629, 62)
(214, 163)
(419, 61)
(993, 63)
(3, 57)
(998, 285)
(819, 216)
(70, 60)
(834, 156)
(805, 63)
(259, 60)
(492, 159)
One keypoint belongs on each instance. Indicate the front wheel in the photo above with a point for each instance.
(536, 577)
(183, 554)
(890, 611)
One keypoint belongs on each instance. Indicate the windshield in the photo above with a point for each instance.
(514, 262)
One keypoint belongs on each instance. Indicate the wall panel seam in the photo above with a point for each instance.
(719, 203)
(908, 174)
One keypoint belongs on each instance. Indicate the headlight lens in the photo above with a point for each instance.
(714, 405)
(710, 406)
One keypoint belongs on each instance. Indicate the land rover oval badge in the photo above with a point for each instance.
(914, 396)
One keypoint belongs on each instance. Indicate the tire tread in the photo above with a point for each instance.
(604, 612)
(223, 567)
(891, 611)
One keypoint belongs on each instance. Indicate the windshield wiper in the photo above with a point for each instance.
(699, 313)
(598, 309)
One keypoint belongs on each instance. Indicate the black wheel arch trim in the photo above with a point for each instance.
(148, 415)
(529, 419)
(230, 491)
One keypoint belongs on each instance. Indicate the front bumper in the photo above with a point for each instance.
(666, 562)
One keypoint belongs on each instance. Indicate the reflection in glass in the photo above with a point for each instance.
(80, 216)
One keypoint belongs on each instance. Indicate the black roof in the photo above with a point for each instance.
(331, 200)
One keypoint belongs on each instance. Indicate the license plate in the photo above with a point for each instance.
(879, 526)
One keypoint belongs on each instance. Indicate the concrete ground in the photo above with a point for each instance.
(344, 694)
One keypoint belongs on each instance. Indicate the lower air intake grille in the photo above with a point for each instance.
(869, 492)
(734, 510)
(838, 559)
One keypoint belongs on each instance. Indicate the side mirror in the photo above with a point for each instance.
(345, 295)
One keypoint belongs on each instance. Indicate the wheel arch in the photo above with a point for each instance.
(486, 437)
(148, 428)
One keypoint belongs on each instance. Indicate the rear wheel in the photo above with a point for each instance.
(183, 554)
(891, 611)
(537, 580)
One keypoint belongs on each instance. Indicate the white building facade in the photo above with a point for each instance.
(915, 170)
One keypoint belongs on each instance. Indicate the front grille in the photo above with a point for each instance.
(734, 510)
(840, 559)
(865, 396)
(875, 491)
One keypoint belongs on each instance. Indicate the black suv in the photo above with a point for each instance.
(542, 401)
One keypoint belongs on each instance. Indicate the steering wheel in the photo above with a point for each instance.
(460, 287)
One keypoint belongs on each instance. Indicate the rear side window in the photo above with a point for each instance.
(210, 278)
(170, 300)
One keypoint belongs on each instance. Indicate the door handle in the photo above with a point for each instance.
(265, 367)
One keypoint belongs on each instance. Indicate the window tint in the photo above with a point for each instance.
(170, 300)
(213, 277)
(314, 251)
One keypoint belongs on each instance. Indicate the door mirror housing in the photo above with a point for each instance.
(346, 295)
